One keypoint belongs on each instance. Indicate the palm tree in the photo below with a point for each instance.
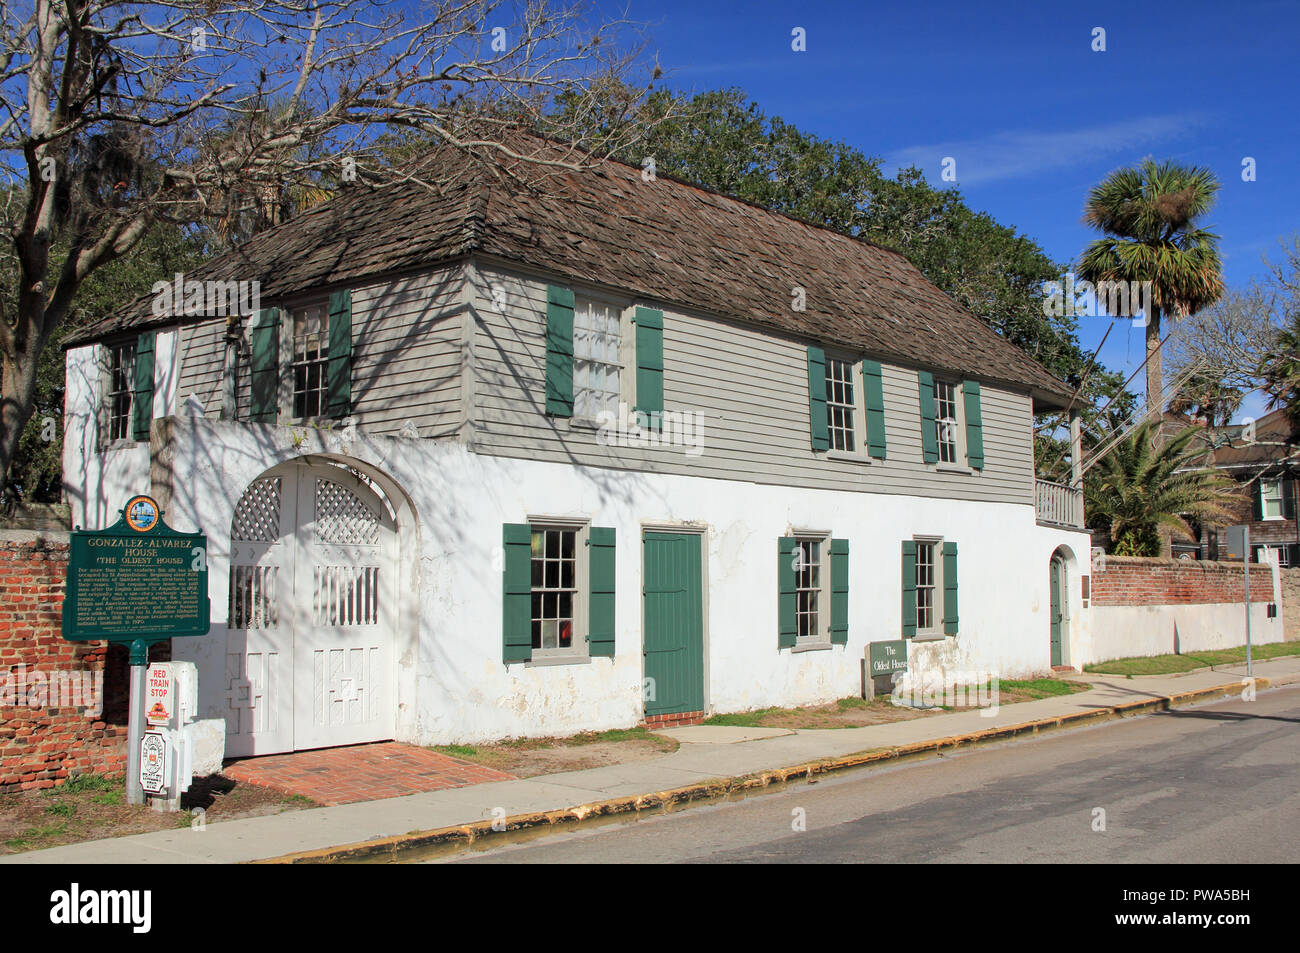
(1141, 487)
(1281, 372)
(1149, 215)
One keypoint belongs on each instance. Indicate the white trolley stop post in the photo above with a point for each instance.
(135, 721)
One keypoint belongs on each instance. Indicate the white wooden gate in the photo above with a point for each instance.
(309, 656)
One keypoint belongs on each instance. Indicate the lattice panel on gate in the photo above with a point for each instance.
(341, 517)
(257, 517)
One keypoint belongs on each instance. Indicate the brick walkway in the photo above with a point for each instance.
(361, 772)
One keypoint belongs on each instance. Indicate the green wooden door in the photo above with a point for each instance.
(1058, 575)
(673, 625)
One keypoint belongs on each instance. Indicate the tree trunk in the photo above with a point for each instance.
(1155, 377)
(17, 393)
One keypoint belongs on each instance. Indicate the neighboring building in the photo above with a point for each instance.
(423, 526)
(1267, 465)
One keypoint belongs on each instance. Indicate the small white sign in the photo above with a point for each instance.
(153, 763)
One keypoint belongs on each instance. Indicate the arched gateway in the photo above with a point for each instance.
(310, 654)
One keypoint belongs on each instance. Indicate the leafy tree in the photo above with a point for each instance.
(120, 116)
(1281, 372)
(1140, 488)
(1209, 396)
(1149, 215)
(36, 474)
(723, 141)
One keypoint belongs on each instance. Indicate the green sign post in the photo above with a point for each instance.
(137, 583)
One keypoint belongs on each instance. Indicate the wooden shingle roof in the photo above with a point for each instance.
(667, 241)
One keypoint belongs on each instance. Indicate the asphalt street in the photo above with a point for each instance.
(1211, 783)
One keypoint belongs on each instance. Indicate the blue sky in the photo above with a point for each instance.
(1017, 96)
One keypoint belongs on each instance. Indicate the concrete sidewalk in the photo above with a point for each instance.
(712, 762)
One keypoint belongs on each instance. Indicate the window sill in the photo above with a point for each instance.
(953, 468)
(929, 637)
(847, 456)
(548, 660)
(811, 647)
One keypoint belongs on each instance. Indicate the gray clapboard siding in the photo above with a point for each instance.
(751, 388)
(406, 355)
(201, 350)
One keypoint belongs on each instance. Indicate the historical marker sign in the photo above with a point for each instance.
(888, 657)
(138, 580)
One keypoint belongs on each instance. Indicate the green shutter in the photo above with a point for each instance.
(142, 398)
(339, 384)
(787, 623)
(517, 592)
(974, 425)
(929, 437)
(873, 390)
(1289, 489)
(909, 588)
(817, 398)
(840, 591)
(1257, 502)
(950, 588)
(264, 370)
(649, 361)
(600, 635)
(559, 351)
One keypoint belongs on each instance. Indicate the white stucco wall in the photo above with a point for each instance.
(454, 687)
(95, 485)
(1128, 631)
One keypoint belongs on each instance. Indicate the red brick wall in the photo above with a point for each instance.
(41, 743)
(1134, 581)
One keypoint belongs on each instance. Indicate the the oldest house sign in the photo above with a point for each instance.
(137, 582)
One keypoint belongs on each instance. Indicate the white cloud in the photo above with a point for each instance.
(1008, 155)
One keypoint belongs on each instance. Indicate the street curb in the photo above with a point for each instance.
(463, 837)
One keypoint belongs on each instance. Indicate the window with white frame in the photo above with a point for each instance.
(597, 361)
(556, 586)
(929, 587)
(946, 421)
(310, 360)
(811, 606)
(120, 390)
(1270, 495)
(839, 403)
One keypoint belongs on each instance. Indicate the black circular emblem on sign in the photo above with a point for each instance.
(142, 513)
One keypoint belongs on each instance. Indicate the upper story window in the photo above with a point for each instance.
(1270, 494)
(310, 371)
(597, 359)
(840, 407)
(121, 383)
(946, 409)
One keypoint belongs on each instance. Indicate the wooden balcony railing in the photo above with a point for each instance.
(1058, 504)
